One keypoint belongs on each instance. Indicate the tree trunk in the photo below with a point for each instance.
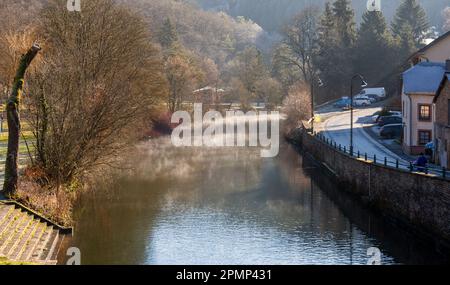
(42, 128)
(13, 119)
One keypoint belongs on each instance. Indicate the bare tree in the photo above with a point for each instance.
(182, 75)
(12, 111)
(100, 82)
(300, 43)
(297, 105)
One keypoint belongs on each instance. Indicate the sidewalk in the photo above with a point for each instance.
(389, 144)
(396, 148)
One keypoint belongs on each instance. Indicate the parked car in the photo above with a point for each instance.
(361, 102)
(392, 131)
(389, 120)
(396, 113)
(343, 102)
(376, 117)
(360, 96)
(374, 98)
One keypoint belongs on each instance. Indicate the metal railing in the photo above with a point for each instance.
(384, 161)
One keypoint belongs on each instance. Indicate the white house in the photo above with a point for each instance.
(437, 51)
(420, 84)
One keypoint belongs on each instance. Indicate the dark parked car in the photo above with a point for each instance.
(380, 114)
(389, 120)
(391, 131)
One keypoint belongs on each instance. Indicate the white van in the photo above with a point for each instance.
(380, 92)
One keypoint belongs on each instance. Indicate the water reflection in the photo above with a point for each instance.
(229, 206)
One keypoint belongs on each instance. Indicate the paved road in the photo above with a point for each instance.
(337, 128)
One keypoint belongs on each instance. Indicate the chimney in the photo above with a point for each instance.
(447, 65)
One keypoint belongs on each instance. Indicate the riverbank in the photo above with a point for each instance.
(56, 205)
(57, 202)
(419, 201)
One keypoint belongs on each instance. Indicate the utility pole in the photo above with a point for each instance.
(320, 83)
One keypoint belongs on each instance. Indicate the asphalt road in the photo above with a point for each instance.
(337, 128)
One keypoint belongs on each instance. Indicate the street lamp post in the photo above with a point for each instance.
(363, 85)
(320, 84)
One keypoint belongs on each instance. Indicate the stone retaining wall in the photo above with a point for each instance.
(419, 200)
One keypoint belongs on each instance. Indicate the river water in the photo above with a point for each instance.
(230, 206)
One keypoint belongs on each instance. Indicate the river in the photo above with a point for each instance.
(230, 206)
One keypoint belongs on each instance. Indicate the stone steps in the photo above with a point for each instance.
(26, 237)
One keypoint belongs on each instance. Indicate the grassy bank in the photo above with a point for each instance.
(56, 205)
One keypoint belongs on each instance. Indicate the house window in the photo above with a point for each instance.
(424, 112)
(424, 137)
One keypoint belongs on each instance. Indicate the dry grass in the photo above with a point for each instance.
(54, 205)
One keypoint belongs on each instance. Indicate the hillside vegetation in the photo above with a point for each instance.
(273, 14)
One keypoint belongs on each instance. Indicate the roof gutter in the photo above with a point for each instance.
(421, 93)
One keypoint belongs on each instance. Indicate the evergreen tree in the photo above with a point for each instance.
(374, 47)
(251, 68)
(326, 26)
(168, 35)
(327, 43)
(412, 14)
(406, 42)
(334, 58)
(344, 19)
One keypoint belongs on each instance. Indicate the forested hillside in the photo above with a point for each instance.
(272, 14)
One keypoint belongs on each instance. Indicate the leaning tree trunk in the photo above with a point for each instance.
(12, 112)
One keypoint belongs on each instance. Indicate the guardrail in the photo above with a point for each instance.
(443, 172)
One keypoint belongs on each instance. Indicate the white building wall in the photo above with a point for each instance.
(440, 52)
(412, 125)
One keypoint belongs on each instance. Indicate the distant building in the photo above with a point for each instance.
(420, 84)
(209, 95)
(442, 120)
(437, 51)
